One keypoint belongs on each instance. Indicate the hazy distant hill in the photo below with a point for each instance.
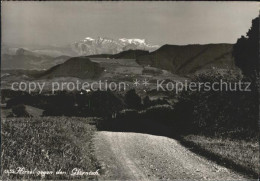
(180, 60)
(80, 67)
(189, 58)
(25, 59)
(99, 56)
(128, 54)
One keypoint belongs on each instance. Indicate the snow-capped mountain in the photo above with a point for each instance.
(90, 46)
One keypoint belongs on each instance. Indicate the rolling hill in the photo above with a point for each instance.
(180, 60)
(189, 58)
(80, 67)
(128, 54)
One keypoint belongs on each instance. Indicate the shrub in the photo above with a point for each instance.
(162, 113)
(105, 103)
(20, 111)
(215, 111)
(133, 100)
(147, 102)
(128, 114)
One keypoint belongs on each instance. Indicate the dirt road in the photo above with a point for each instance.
(136, 156)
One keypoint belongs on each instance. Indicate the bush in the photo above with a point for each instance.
(216, 111)
(128, 114)
(183, 114)
(105, 103)
(20, 111)
(133, 100)
(147, 102)
(162, 113)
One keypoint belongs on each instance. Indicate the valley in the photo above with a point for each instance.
(138, 130)
(129, 90)
(169, 62)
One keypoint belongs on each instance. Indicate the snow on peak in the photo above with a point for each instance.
(134, 40)
(89, 39)
(104, 45)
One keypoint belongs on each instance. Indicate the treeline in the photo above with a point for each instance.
(104, 104)
(231, 113)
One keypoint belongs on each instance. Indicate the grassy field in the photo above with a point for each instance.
(48, 148)
(33, 111)
(240, 155)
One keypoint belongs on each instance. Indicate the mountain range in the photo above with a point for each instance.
(177, 59)
(90, 46)
(180, 60)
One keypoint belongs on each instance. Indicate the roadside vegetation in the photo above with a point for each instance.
(241, 155)
(49, 144)
(229, 123)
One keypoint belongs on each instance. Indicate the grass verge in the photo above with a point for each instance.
(38, 148)
(240, 155)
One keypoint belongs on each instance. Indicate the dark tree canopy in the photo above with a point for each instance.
(105, 103)
(246, 51)
(20, 111)
(132, 100)
(147, 101)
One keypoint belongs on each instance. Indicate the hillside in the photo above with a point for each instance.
(80, 67)
(180, 60)
(130, 54)
(28, 60)
(48, 144)
(189, 58)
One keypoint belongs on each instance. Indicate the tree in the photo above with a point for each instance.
(147, 101)
(20, 111)
(246, 52)
(133, 100)
(105, 103)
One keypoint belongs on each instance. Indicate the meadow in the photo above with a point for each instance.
(48, 148)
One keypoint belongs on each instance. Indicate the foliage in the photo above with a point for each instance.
(128, 114)
(105, 103)
(133, 100)
(20, 111)
(217, 110)
(237, 154)
(162, 113)
(146, 101)
(246, 51)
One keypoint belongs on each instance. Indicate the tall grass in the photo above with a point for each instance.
(47, 144)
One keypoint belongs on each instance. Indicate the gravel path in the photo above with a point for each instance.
(136, 156)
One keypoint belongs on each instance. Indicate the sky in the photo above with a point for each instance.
(165, 22)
